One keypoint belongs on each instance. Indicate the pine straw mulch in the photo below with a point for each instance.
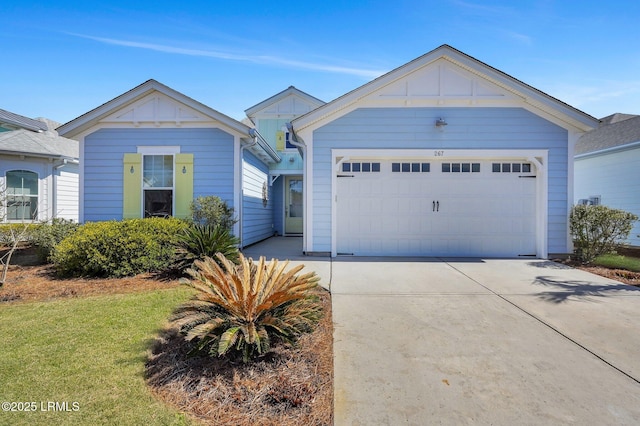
(290, 386)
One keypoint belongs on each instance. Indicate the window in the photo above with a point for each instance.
(460, 167)
(287, 141)
(511, 167)
(22, 195)
(361, 167)
(410, 167)
(157, 185)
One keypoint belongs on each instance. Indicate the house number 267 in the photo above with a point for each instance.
(438, 153)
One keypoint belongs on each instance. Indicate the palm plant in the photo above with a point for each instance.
(200, 241)
(240, 308)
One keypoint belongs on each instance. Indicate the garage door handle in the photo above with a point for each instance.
(437, 206)
(434, 206)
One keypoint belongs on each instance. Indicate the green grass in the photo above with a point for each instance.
(90, 351)
(619, 262)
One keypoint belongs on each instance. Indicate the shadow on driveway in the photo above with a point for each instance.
(565, 289)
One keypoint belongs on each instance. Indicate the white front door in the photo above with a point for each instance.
(436, 208)
(293, 205)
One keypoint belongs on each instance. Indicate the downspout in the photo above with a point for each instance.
(254, 136)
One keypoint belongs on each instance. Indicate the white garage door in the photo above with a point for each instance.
(436, 208)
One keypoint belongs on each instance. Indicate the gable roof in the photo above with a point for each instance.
(91, 118)
(21, 121)
(26, 142)
(527, 95)
(291, 90)
(610, 136)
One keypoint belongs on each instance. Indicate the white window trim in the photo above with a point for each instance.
(4, 186)
(158, 150)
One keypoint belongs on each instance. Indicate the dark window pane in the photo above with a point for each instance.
(466, 167)
(475, 167)
(366, 167)
(506, 167)
(415, 167)
(446, 167)
(355, 167)
(515, 167)
(526, 168)
(395, 167)
(375, 167)
(495, 167)
(405, 167)
(455, 167)
(346, 167)
(426, 167)
(158, 203)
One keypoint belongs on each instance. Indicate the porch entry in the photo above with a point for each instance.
(293, 205)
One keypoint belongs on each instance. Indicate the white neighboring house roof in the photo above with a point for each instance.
(93, 118)
(617, 131)
(527, 96)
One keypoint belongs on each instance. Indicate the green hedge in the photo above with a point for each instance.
(118, 249)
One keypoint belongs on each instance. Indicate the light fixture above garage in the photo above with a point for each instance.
(440, 123)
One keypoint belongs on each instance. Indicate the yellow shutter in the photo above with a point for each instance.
(132, 186)
(183, 185)
(280, 140)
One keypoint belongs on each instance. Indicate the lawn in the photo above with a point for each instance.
(617, 261)
(87, 354)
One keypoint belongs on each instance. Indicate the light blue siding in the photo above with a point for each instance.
(257, 219)
(278, 204)
(615, 177)
(468, 128)
(104, 151)
(291, 159)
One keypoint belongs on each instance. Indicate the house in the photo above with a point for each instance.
(38, 171)
(270, 117)
(443, 156)
(606, 167)
(152, 150)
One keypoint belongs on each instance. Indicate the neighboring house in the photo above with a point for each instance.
(152, 150)
(270, 117)
(38, 171)
(607, 167)
(443, 156)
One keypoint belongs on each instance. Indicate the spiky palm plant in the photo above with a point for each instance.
(240, 308)
(199, 241)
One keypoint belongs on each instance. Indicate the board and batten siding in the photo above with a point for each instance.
(615, 177)
(468, 128)
(212, 148)
(257, 219)
(291, 159)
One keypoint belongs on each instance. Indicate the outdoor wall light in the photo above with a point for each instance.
(440, 122)
(184, 170)
(131, 170)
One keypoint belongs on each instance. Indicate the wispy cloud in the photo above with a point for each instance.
(218, 54)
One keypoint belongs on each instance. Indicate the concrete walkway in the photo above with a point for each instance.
(481, 341)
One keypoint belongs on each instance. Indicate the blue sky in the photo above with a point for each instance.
(64, 58)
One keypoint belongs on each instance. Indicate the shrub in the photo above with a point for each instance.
(597, 229)
(9, 232)
(199, 241)
(46, 236)
(239, 309)
(212, 211)
(117, 249)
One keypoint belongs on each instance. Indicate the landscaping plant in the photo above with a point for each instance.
(596, 230)
(118, 248)
(212, 211)
(199, 241)
(239, 309)
(46, 236)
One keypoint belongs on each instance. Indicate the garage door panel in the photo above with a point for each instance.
(477, 214)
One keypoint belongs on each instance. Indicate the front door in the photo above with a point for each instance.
(293, 205)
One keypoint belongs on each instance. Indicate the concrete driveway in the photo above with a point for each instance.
(477, 341)
(471, 341)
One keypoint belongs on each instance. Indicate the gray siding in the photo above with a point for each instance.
(104, 151)
(66, 183)
(257, 219)
(468, 128)
(615, 177)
